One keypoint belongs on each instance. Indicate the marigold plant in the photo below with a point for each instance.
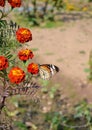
(16, 75)
(3, 63)
(15, 3)
(23, 35)
(2, 3)
(25, 54)
(17, 70)
(33, 68)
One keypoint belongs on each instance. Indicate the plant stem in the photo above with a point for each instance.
(2, 104)
(35, 6)
(45, 7)
(1, 14)
(5, 14)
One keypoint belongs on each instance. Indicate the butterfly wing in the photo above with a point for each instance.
(46, 71)
(54, 69)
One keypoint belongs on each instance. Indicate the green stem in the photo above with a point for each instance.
(2, 104)
(35, 7)
(4, 78)
(1, 14)
(5, 14)
(45, 7)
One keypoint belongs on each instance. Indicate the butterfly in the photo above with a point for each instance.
(46, 71)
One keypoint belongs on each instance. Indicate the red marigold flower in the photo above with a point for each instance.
(25, 54)
(23, 35)
(16, 75)
(2, 3)
(33, 68)
(15, 3)
(3, 63)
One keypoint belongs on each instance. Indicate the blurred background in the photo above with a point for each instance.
(62, 35)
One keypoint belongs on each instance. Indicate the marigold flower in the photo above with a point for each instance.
(2, 3)
(23, 35)
(16, 75)
(15, 3)
(25, 54)
(33, 68)
(3, 63)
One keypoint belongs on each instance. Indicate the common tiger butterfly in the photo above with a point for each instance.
(46, 71)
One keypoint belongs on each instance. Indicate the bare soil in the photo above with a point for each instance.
(68, 47)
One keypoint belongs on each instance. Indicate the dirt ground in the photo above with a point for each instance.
(68, 47)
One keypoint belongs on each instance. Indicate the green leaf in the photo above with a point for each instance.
(3, 23)
(20, 125)
(10, 56)
(78, 115)
(55, 120)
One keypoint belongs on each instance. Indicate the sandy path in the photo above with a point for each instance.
(68, 47)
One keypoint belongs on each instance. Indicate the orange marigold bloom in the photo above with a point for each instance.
(16, 75)
(25, 54)
(23, 35)
(15, 3)
(2, 3)
(3, 63)
(33, 68)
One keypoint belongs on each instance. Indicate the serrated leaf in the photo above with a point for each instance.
(3, 23)
(9, 56)
(7, 53)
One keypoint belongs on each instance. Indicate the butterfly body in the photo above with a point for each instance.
(46, 71)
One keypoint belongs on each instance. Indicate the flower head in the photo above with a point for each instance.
(23, 35)
(33, 68)
(25, 54)
(2, 3)
(3, 63)
(16, 75)
(15, 3)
